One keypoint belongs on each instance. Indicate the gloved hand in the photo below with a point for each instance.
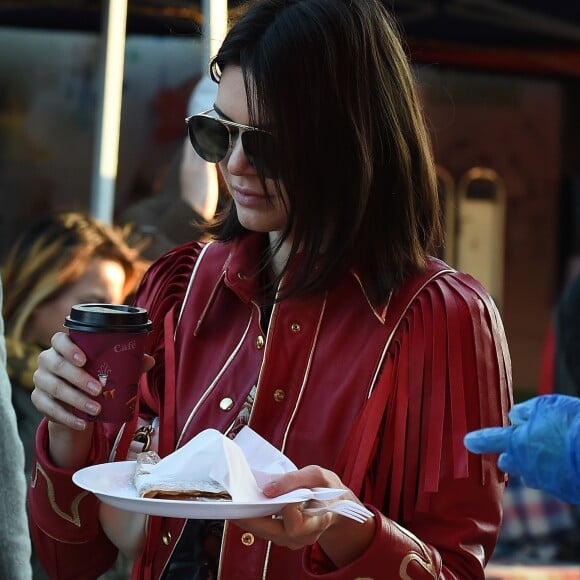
(542, 445)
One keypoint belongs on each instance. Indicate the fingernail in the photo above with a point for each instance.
(80, 424)
(79, 359)
(271, 486)
(92, 408)
(94, 388)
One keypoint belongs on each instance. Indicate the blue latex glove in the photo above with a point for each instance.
(542, 445)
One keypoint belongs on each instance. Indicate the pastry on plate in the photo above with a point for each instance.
(153, 483)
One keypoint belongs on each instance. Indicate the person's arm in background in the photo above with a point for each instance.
(198, 179)
(14, 536)
(197, 184)
(188, 197)
(542, 445)
(178, 222)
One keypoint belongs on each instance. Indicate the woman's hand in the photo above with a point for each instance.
(61, 384)
(62, 387)
(342, 539)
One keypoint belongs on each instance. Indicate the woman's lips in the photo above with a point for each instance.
(247, 197)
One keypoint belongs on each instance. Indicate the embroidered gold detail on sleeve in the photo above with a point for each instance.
(423, 559)
(425, 563)
(74, 517)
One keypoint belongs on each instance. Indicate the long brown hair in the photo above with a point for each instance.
(53, 253)
(332, 79)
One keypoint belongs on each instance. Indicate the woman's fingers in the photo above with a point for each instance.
(61, 385)
(63, 388)
(59, 377)
(291, 528)
(56, 411)
(308, 477)
(63, 345)
(59, 401)
(303, 530)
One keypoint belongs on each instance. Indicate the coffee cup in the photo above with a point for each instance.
(112, 336)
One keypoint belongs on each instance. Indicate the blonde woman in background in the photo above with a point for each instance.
(59, 261)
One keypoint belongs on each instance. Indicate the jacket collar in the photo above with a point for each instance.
(243, 278)
(241, 273)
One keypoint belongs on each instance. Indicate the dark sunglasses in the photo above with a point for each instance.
(213, 138)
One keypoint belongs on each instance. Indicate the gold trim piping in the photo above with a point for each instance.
(427, 565)
(396, 326)
(215, 381)
(74, 517)
(423, 559)
(306, 373)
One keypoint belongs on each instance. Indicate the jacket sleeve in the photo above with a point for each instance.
(64, 520)
(163, 287)
(438, 508)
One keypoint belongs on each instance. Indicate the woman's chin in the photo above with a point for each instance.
(260, 224)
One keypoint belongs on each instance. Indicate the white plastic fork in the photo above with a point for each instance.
(344, 507)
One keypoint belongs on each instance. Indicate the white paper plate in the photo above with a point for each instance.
(112, 483)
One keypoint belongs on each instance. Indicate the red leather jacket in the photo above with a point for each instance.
(382, 394)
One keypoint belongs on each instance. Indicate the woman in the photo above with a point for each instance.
(58, 261)
(316, 316)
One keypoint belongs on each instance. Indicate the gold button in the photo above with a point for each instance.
(247, 539)
(226, 404)
(241, 276)
(166, 538)
(295, 327)
(279, 395)
(260, 342)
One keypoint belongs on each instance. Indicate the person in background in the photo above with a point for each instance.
(189, 196)
(542, 444)
(541, 452)
(14, 537)
(317, 316)
(539, 527)
(56, 262)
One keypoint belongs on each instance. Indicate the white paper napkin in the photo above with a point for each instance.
(242, 466)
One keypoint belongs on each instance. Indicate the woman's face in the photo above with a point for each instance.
(256, 211)
(103, 282)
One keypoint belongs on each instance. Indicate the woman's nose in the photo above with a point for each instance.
(238, 162)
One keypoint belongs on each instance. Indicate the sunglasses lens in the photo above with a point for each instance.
(260, 148)
(209, 138)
